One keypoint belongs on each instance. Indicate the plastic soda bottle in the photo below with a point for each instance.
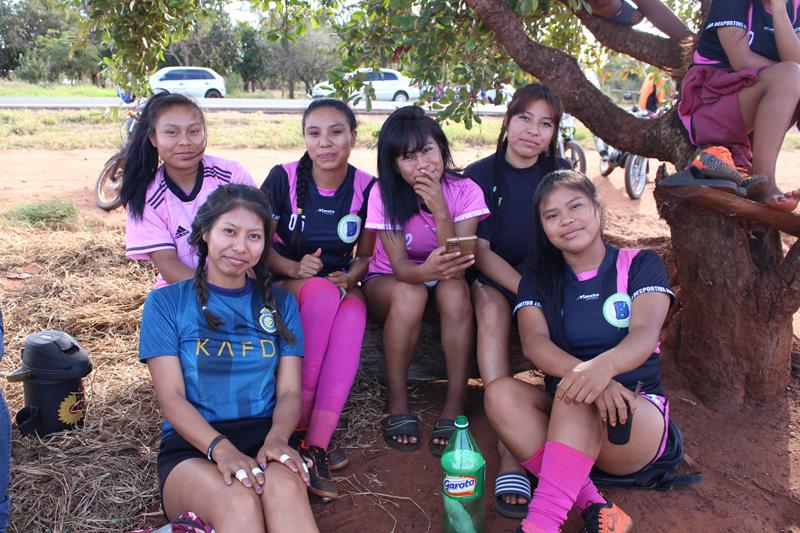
(463, 469)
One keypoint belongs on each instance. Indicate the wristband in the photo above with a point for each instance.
(213, 445)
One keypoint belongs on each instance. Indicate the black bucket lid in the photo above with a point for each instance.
(54, 355)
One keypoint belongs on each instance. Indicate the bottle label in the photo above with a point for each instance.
(460, 486)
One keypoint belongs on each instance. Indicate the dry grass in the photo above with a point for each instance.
(101, 478)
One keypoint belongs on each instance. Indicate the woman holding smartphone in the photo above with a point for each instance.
(589, 317)
(526, 151)
(418, 203)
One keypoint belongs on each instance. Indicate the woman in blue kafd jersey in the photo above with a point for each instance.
(224, 350)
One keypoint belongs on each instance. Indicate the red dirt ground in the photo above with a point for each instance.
(749, 457)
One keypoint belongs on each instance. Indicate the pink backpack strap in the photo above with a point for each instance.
(624, 262)
(291, 171)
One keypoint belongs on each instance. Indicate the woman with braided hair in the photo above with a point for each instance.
(320, 206)
(224, 351)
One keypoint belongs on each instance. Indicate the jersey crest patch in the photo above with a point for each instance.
(617, 310)
(349, 228)
(267, 321)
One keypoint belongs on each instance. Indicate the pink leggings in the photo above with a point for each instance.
(333, 329)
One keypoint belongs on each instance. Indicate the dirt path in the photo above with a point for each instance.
(750, 459)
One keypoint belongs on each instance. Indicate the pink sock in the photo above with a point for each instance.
(339, 369)
(318, 299)
(564, 471)
(586, 496)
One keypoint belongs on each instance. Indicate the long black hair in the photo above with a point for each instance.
(522, 99)
(406, 131)
(305, 165)
(219, 202)
(545, 263)
(141, 157)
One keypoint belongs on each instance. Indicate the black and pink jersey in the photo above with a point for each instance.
(332, 219)
(596, 310)
(750, 15)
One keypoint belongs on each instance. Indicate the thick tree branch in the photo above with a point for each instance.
(789, 273)
(660, 52)
(661, 138)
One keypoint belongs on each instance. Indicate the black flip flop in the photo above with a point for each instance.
(626, 16)
(403, 424)
(694, 176)
(512, 483)
(442, 429)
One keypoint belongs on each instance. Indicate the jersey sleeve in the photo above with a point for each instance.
(376, 218)
(276, 187)
(362, 213)
(470, 202)
(485, 228)
(158, 334)
(648, 274)
(241, 175)
(147, 234)
(291, 317)
(727, 13)
(526, 295)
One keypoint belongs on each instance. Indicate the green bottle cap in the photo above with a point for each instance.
(461, 422)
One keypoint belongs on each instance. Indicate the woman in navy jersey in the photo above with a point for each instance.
(224, 350)
(589, 317)
(743, 88)
(320, 204)
(526, 151)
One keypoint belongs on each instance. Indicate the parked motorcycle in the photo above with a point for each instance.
(109, 182)
(568, 147)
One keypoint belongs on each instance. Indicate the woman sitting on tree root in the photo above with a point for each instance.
(743, 91)
(589, 317)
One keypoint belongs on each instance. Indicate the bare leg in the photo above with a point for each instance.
(284, 502)
(768, 109)
(493, 316)
(663, 18)
(400, 306)
(457, 329)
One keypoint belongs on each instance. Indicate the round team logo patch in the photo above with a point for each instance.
(267, 321)
(348, 229)
(617, 310)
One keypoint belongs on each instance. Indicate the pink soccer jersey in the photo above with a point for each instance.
(464, 200)
(168, 212)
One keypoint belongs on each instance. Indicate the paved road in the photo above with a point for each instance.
(210, 104)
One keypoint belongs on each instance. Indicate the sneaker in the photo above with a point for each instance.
(606, 518)
(337, 458)
(717, 162)
(319, 471)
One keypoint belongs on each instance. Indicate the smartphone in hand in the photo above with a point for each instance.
(465, 245)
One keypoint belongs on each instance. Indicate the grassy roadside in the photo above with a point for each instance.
(54, 90)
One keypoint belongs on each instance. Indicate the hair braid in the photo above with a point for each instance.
(302, 179)
(201, 287)
(264, 283)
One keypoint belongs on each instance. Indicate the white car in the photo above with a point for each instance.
(505, 89)
(388, 85)
(197, 82)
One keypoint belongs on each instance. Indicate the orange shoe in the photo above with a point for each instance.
(717, 162)
(606, 518)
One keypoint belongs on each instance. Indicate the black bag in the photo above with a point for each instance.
(661, 475)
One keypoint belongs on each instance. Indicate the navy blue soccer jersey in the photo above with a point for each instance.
(509, 196)
(230, 372)
(332, 219)
(753, 18)
(596, 310)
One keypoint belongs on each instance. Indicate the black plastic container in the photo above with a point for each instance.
(53, 365)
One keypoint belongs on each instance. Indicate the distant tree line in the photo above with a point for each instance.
(41, 42)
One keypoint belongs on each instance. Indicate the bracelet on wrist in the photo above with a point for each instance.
(213, 445)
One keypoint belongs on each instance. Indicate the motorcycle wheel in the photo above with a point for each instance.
(109, 183)
(635, 176)
(573, 152)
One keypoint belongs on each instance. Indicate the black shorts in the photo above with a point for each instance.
(247, 435)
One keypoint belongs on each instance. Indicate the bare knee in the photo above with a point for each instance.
(452, 297)
(408, 301)
(497, 396)
(783, 77)
(283, 489)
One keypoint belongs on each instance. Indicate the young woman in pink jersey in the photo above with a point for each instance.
(162, 200)
(418, 203)
(319, 205)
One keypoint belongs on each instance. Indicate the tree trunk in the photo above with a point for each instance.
(728, 335)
